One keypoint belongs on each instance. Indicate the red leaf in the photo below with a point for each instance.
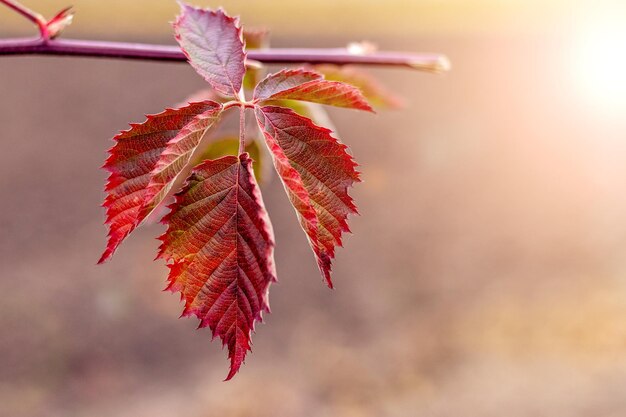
(177, 155)
(213, 43)
(316, 171)
(219, 245)
(132, 159)
(310, 86)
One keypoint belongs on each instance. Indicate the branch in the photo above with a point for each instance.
(433, 63)
(44, 45)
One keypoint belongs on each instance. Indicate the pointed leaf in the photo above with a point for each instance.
(177, 155)
(131, 160)
(316, 171)
(213, 43)
(310, 86)
(219, 245)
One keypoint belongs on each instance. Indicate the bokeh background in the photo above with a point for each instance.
(486, 275)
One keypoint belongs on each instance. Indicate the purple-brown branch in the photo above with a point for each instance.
(141, 51)
(433, 63)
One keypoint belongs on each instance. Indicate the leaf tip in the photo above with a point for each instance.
(237, 358)
(324, 262)
(232, 373)
(367, 107)
(329, 282)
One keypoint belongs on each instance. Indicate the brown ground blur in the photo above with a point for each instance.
(485, 277)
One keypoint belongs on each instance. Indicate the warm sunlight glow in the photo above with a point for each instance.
(601, 63)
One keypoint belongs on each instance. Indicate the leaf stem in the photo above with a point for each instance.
(242, 129)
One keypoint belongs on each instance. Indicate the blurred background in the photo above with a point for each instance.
(486, 275)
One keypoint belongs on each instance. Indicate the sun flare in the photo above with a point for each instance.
(601, 62)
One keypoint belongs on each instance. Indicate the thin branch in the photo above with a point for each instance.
(34, 17)
(433, 63)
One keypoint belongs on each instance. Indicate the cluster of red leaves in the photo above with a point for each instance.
(219, 241)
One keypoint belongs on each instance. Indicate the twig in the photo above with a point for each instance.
(433, 63)
(34, 17)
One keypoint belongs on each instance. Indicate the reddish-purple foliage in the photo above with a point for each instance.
(310, 86)
(213, 44)
(219, 242)
(220, 249)
(316, 171)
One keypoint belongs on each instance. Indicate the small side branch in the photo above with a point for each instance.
(34, 17)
